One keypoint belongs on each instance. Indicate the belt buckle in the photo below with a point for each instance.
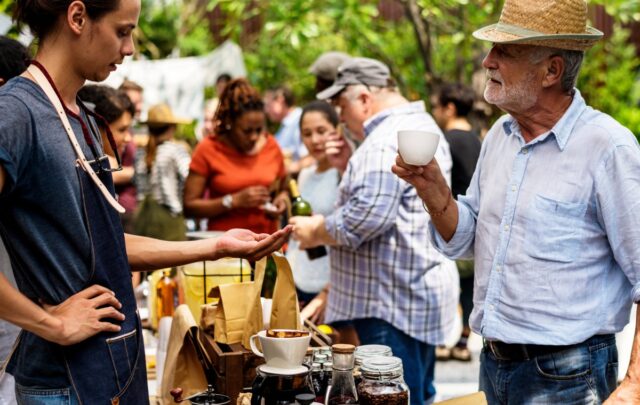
(493, 349)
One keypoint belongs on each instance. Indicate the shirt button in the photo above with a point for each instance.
(524, 151)
(513, 188)
(506, 227)
(492, 307)
(498, 268)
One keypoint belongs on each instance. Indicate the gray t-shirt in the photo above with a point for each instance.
(41, 215)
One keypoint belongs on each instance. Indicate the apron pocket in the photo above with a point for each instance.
(123, 350)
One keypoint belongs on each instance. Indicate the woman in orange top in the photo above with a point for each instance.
(240, 166)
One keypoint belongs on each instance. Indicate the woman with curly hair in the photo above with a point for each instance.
(240, 166)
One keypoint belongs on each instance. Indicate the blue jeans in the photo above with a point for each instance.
(58, 396)
(586, 374)
(418, 358)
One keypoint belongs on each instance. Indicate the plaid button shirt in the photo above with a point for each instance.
(384, 265)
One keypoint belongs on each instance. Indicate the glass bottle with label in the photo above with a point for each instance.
(300, 207)
(342, 389)
(382, 382)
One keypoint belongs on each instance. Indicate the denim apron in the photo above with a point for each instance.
(108, 368)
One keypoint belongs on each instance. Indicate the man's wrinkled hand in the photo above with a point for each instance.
(246, 244)
(84, 315)
(627, 392)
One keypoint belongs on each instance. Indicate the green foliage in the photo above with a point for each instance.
(610, 79)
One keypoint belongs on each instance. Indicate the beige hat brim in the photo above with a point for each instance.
(509, 34)
(169, 121)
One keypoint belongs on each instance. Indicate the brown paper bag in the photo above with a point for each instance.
(182, 367)
(231, 315)
(285, 310)
(208, 317)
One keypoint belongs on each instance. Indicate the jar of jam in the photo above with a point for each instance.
(382, 382)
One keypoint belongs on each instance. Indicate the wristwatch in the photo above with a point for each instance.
(227, 201)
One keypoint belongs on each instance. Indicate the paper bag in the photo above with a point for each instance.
(285, 310)
(208, 317)
(182, 367)
(233, 307)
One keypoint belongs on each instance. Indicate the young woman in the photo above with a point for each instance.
(81, 340)
(117, 110)
(319, 186)
(240, 167)
(160, 175)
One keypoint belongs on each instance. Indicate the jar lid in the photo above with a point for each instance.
(343, 348)
(381, 367)
(320, 358)
(371, 351)
(316, 366)
(327, 366)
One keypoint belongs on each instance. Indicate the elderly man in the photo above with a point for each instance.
(551, 218)
(397, 290)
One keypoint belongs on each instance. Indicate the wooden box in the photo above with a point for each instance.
(235, 367)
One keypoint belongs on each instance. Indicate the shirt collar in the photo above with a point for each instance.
(409, 108)
(562, 129)
(293, 117)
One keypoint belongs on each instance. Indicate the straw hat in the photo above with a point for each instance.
(552, 23)
(161, 114)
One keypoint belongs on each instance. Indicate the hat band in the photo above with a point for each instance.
(527, 33)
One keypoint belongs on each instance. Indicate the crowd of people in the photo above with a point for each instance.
(529, 229)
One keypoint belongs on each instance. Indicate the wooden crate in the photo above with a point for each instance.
(235, 367)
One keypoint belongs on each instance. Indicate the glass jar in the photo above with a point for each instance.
(367, 351)
(382, 382)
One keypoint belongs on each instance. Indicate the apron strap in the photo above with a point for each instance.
(3, 368)
(82, 160)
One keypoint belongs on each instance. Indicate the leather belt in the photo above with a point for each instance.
(523, 352)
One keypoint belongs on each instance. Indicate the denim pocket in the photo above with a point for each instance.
(123, 350)
(554, 229)
(565, 365)
(58, 396)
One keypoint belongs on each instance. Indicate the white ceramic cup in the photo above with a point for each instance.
(283, 353)
(417, 147)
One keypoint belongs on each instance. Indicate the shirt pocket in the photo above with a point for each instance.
(555, 229)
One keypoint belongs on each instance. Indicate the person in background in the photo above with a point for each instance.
(451, 106)
(118, 111)
(14, 59)
(325, 68)
(212, 105)
(240, 167)
(318, 185)
(280, 106)
(160, 175)
(395, 288)
(82, 339)
(550, 217)
(135, 92)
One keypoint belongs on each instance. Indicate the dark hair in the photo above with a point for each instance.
(14, 58)
(237, 98)
(41, 15)
(286, 93)
(109, 103)
(460, 95)
(224, 77)
(326, 109)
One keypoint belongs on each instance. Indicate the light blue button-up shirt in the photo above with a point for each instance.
(554, 227)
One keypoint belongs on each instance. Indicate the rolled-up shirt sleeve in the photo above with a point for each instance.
(617, 185)
(372, 206)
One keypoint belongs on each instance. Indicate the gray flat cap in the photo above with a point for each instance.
(326, 65)
(369, 72)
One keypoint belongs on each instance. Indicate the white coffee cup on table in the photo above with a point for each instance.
(417, 147)
(281, 352)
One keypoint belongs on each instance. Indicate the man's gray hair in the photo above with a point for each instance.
(572, 63)
(352, 91)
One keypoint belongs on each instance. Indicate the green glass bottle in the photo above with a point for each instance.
(300, 207)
